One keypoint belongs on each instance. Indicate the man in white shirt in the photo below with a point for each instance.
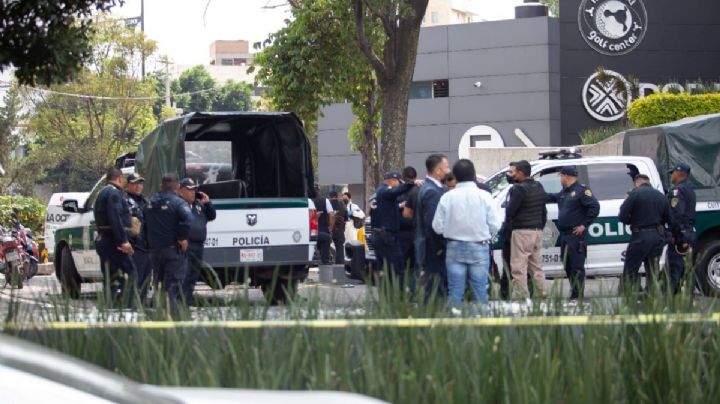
(468, 219)
(354, 212)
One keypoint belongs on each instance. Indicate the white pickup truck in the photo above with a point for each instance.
(256, 168)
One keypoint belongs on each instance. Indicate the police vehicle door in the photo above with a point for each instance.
(86, 259)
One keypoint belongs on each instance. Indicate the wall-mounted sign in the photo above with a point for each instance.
(607, 98)
(612, 27)
(479, 136)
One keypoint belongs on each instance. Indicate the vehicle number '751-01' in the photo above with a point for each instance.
(551, 258)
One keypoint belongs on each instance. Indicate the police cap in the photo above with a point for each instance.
(569, 170)
(680, 166)
(188, 183)
(133, 178)
(393, 175)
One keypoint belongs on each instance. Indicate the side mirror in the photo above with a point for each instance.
(71, 206)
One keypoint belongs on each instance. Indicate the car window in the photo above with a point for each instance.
(208, 162)
(497, 182)
(550, 181)
(610, 181)
(94, 193)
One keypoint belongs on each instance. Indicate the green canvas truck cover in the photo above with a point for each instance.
(696, 141)
(271, 152)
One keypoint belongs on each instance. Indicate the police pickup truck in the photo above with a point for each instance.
(610, 179)
(256, 168)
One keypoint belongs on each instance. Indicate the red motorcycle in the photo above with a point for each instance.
(19, 254)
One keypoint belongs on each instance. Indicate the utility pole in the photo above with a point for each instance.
(142, 29)
(166, 61)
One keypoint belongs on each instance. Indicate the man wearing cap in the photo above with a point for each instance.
(137, 238)
(203, 212)
(647, 212)
(168, 220)
(386, 224)
(682, 207)
(577, 209)
(112, 218)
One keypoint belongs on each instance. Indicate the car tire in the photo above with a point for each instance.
(69, 279)
(707, 269)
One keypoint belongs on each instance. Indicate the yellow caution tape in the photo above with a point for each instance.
(531, 321)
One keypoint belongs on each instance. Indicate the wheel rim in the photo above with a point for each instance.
(714, 271)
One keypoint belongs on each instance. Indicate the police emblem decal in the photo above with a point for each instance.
(612, 27)
(607, 95)
(251, 219)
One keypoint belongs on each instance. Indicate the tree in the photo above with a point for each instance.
(47, 41)
(81, 127)
(233, 96)
(315, 61)
(10, 138)
(394, 64)
(554, 6)
(198, 81)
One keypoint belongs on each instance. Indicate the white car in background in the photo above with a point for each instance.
(55, 216)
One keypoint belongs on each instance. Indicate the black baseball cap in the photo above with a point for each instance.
(393, 175)
(133, 178)
(188, 183)
(569, 170)
(680, 166)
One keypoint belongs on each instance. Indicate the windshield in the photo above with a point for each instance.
(497, 183)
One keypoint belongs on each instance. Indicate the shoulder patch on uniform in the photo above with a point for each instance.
(588, 193)
(674, 202)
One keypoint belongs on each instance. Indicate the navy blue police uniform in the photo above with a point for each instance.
(386, 224)
(682, 206)
(141, 256)
(112, 218)
(168, 219)
(647, 212)
(576, 206)
(202, 213)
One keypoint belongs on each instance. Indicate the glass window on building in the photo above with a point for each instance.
(434, 17)
(421, 89)
(226, 62)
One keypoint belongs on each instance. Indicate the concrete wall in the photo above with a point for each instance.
(517, 62)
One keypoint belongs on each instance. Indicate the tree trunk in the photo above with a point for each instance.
(370, 160)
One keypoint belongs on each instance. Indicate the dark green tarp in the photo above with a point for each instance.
(695, 141)
(270, 151)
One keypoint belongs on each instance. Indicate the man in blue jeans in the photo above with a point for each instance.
(468, 218)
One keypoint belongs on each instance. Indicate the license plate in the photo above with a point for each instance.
(12, 256)
(251, 255)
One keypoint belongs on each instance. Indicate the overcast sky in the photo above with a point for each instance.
(184, 29)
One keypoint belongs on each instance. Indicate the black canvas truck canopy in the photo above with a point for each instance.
(231, 154)
(695, 141)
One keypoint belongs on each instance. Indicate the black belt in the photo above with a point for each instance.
(656, 228)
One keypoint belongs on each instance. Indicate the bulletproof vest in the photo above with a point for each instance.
(530, 214)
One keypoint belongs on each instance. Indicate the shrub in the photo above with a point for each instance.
(658, 109)
(31, 212)
(597, 135)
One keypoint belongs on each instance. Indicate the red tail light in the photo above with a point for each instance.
(313, 225)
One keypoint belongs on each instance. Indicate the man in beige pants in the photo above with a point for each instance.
(527, 214)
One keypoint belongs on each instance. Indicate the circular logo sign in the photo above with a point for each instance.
(607, 95)
(612, 27)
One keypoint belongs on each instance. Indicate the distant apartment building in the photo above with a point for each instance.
(230, 53)
(447, 12)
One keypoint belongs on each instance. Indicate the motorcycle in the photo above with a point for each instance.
(19, 254)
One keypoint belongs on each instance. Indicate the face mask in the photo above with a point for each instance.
(510, 179)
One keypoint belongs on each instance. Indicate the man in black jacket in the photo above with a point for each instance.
(203, 212)
(527, 214)
(140, 257)
(338, 232)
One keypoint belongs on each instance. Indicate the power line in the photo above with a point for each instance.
(104, 97)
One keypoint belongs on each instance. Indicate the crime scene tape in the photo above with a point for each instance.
(490, 322)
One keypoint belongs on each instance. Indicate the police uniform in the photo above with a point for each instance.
(141, 256)
(682, 206)
(201, 215)
(647, 211)
(386, 224)
(112, 218)
(576, 206)
(168, 219)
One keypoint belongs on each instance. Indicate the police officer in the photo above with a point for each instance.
(112, 218)
(647, 212)
(386, 224)
(203, 212)
(141, 258)
(168, 219)
(682, 206)
(577, 209)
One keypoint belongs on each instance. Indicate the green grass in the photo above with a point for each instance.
(624, 363)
